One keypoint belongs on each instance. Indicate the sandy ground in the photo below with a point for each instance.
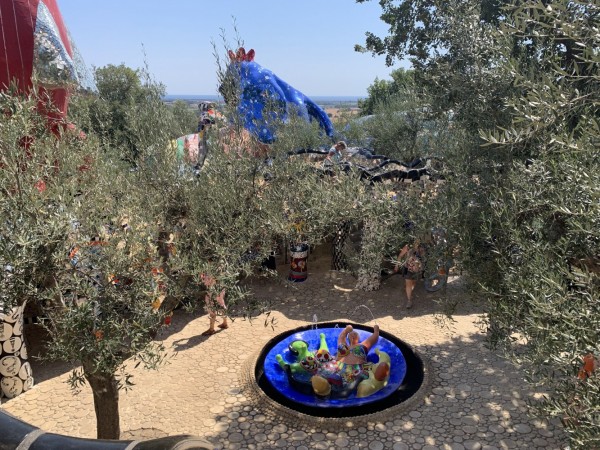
(336, 113)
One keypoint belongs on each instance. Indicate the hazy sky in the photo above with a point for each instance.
(308, 43)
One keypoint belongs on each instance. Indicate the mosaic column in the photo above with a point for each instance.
(298, 266)
(15, 371)
(338, 259)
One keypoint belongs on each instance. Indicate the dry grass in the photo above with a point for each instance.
(336, 113)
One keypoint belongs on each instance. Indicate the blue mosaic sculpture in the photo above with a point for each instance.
(266, 100)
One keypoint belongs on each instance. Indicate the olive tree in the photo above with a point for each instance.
(520, 82)
(543, 227)
(109, 290)
(40, 173)
(75, 241)
(382, 91)
(106, 290)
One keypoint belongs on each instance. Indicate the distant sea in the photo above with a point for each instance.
(320, 99)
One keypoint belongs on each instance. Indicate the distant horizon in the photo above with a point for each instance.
(218, 97)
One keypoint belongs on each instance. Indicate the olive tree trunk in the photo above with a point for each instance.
(106, 402)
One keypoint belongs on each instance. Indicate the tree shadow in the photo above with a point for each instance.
(183, 344)
(475, 396)
(43, 368)
(325, 296)
(330, 295)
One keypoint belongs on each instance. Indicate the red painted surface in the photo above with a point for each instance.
(18, 20)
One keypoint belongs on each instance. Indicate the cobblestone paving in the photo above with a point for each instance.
(476, 400)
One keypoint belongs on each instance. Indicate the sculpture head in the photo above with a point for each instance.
(263, 100)
(298, 347)
(309, 363)
(341, 146)
(323, 356)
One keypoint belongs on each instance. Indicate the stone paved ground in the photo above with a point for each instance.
(476, 400)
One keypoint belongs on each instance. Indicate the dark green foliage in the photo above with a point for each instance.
(400, 129)
(39, 181)
(128, 109)
(119, 90)
(519, 81)
(381, 92)
(422, 28)
(548, 211)
(451, 47)
(184, 117)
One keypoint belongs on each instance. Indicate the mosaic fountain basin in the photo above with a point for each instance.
(405, 378)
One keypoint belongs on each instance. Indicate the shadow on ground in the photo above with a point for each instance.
(288, 298)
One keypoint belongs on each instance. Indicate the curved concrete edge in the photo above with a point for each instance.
(269, 406)
(30, 439)
(181, 442)
(14, 431)
(19, 435)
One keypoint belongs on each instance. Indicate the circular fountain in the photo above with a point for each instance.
(275, 376)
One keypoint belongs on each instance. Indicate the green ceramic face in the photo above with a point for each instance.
(299, 346)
